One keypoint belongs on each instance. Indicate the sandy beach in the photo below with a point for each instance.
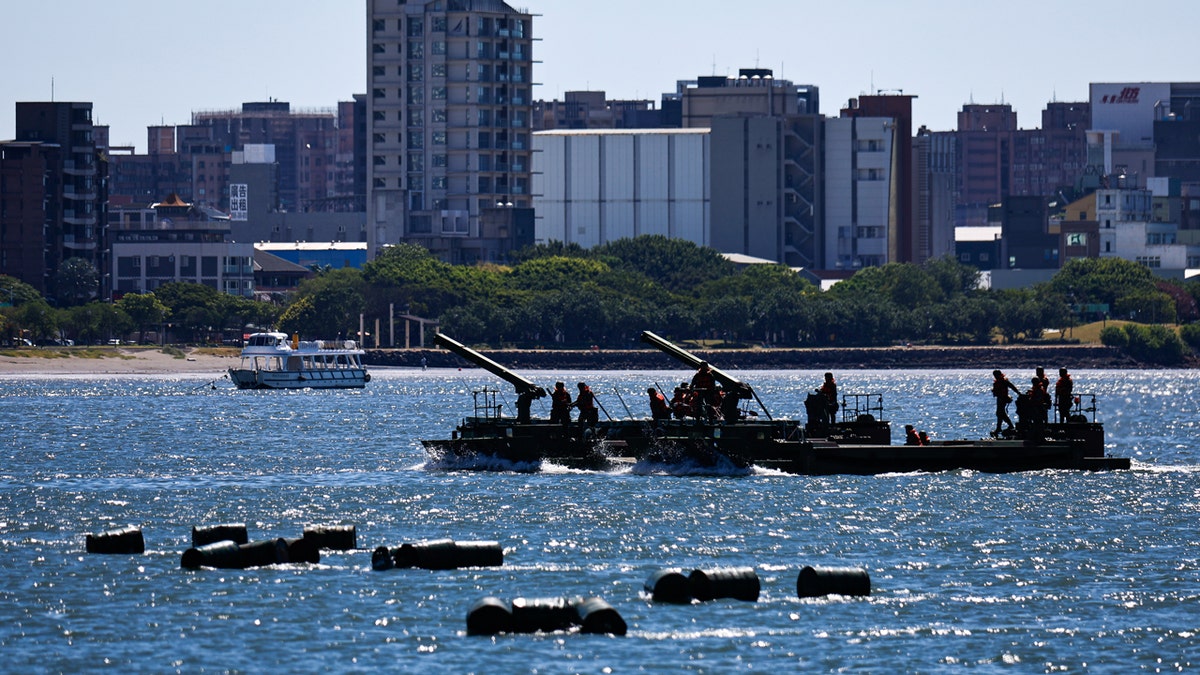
(116, 361)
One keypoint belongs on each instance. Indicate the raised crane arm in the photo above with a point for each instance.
(742, 389)
(522, 385)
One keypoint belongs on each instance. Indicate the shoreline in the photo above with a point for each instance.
(152, 361)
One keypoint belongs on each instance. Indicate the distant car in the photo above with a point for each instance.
(114, 342)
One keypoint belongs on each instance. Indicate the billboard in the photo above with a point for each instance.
(237, 201)
(1128, 108)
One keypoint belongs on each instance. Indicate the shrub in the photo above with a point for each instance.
(1114, 336)
(1191, 335)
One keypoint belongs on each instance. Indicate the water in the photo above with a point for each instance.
(1033, 572)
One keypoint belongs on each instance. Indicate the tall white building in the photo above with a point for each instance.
(448, 124)
(860, 192)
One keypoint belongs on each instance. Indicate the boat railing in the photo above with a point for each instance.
(1083, 406)
(486, 407)
(327, 344)
(862, 407)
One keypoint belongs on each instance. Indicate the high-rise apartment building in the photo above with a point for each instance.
(59, 138)
(449, 110)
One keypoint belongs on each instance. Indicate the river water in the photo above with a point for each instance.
(1034, 572)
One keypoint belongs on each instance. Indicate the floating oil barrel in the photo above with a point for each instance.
(479, 554)
(740, 583)
(489, 616)
(669, 585)
(597, 616)
(123, 540)
(333, 537)
(223, 554)
(447, 554)
(228, 555)
(381, 559)
(815, 582)
(433, 554)
(530, 615)
(207, 534)
(302, 550)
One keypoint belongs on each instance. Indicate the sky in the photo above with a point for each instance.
(150, 62)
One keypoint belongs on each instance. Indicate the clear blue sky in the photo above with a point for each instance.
(144, 62)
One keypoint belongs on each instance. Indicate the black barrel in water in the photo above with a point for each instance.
(814, 582)
(207, 534)
(597, 616)
(302, 550)
(669, 585)
(228, 555)
(530, 615)
(739, 583)
(123, 540)
(489, 616)
(439, 554)
(332, 537)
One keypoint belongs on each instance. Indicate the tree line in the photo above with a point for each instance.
(559, 295)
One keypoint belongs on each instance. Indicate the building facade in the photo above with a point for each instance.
(596, 186)
(71, 221)
(177, 241)
(449, 111)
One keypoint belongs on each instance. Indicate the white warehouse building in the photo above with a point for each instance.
(594, 186)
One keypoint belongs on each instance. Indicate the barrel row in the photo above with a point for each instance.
(491, 616)
(439, 554)
(128, 540)
(741, 583)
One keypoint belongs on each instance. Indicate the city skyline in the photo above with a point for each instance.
(140, 73)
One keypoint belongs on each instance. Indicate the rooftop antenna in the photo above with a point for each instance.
(714, 64)
(52, 89)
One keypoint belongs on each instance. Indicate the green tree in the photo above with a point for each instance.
(88, 324)
(76, 281)
(144, 309)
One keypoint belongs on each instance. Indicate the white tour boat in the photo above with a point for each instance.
(272, 361)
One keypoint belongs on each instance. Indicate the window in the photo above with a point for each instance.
(378, 71)
(438, 93)
(379, 115)
(416, 72)
(984, 257)
(437, 24)
(1076, 239)
(378, 25)
(438, 70)
(377, 48)
(439, 116)
(378, 93)
(416, 50)
(416, 27)
(416, 117)
(438, 48)
(438, 183)
(416, 94)
(439, 138)
(416, 161)
(438, 161)
(379, 160)
(377, 138)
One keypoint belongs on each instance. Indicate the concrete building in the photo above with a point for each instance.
(593, 110)
(71, 221)
(177, 241)
(755, 91)
(449, 110)
(935, 197)
(861, 207)
(318, 254)
(765, 187)
(306, 148)
(1026, 241)
(997, 158)
(28, 180)
(596, 186)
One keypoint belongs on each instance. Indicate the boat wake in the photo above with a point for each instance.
(481, 463)
(720, 466)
